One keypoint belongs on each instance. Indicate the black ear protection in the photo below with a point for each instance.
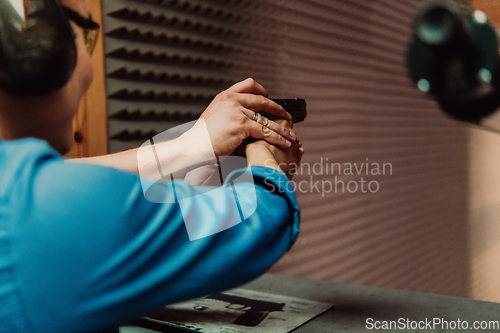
(37, 46)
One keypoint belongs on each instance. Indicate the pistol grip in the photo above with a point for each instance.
(251, 318)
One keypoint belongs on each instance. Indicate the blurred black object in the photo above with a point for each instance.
(454, 56)
(297, 107)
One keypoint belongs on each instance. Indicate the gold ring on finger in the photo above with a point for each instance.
(266, 131)
(266, 122)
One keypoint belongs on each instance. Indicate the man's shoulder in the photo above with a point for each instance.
(21, 157)
(25, 148)
(25, 153)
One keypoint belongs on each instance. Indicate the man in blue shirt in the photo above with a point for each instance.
(81, 249)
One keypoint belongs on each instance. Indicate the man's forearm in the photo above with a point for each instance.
(176, 157)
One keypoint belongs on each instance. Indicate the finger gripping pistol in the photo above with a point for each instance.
(255, 311)
(296, 107)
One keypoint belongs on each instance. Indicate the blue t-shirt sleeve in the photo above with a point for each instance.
(92, 252)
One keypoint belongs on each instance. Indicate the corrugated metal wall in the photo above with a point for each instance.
(347, 59)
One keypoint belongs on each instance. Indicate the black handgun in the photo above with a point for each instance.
(296, 107)
(255, 310)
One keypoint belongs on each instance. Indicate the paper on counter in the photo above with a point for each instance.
(213, 316)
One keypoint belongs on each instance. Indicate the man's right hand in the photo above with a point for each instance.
(229, 118)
